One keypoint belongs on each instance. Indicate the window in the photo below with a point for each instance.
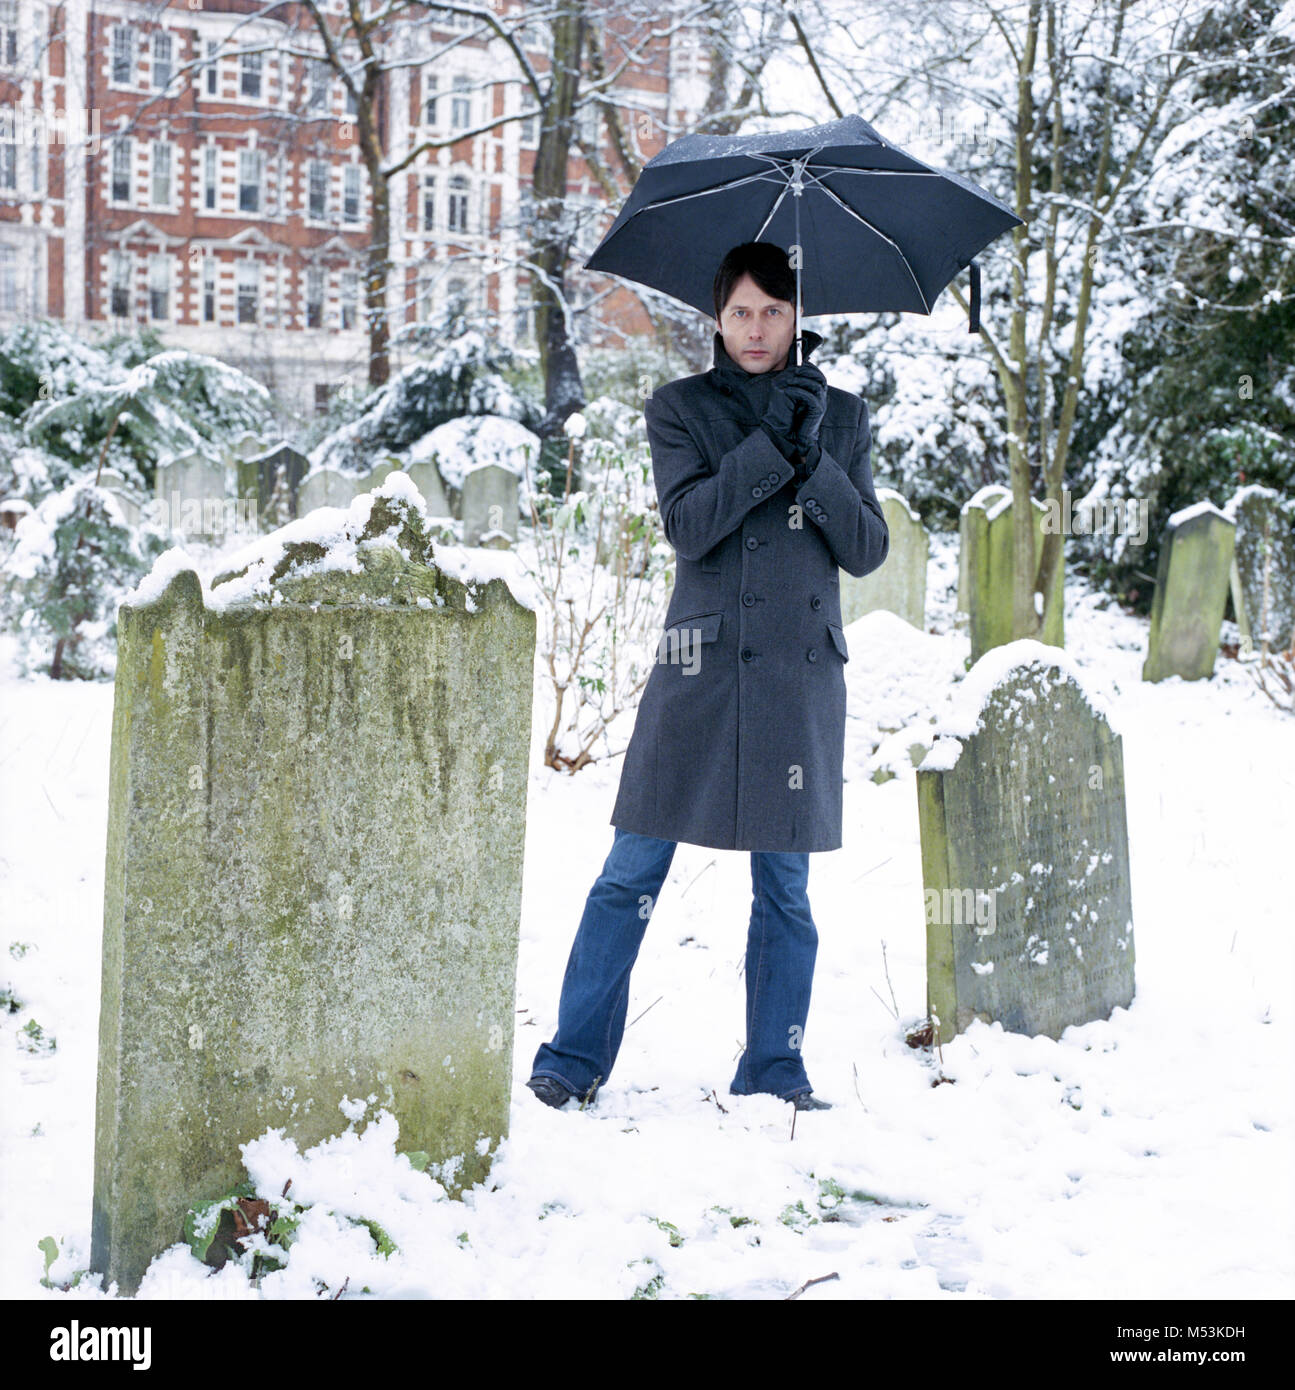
(458, 203)
(349, 295)
(8, 280)
(321, 74)
(248, 282)
(460, 106)
(588, 122)
(121, 169)
(530, 123)
(162, 69)
(209, 290)
(123, 55)
(351, 193)
(210, 176)
(159, 287)
(213, 68)
(423, 302)
(317, 180)
(314, 297)
(456, 296)
(8, 43)
(431, 85)
(429, 202)
(250, 166)
(161, 188)
(119, 284)
(352, 103)
(8, 148)
(250, 75)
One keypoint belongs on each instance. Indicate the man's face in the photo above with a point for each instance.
(756, 329)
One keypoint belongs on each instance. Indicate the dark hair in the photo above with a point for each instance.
(766, 264)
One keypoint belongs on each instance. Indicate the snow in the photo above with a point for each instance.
(1145, 1155)
(1196, 509)
(337, 530)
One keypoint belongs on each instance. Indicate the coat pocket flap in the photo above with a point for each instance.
(837, 635)
(706, 625)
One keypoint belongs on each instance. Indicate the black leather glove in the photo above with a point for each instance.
(779, 418)
(806, 463)
(807, 386)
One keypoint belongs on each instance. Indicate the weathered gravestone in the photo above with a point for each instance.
(191, 496)
(1025, 854)
(314, 868)
(1263, 567)
(325, 487)
(899, 586)
(277, 471)
(985, 557)
(1191, 591)
(489, 504)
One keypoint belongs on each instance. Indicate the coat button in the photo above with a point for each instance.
(747, 653)
(816, 602)
(812, 654)
(752, 543)
(748, 599)
(773, 477)
(755, 491)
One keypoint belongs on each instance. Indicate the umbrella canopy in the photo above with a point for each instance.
(878, 229)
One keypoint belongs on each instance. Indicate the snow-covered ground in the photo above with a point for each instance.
(1145, 1156)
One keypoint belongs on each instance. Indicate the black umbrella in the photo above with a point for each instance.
(877, 229)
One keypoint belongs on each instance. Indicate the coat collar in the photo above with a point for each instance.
(727, 375)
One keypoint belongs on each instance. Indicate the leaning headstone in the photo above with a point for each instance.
(1191, 592)
(489, 504)
(115, 483)
(1025, 854)
(427, 479)
(985, 556)
(193, 496)
(899, 586)
(325, 487)
(1263, 567)
(315, 835)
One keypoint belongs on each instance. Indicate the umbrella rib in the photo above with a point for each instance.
(762, 176)
(926, 308)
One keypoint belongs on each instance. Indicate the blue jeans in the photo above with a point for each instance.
(781, 945)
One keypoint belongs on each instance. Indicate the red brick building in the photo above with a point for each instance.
(194, 166)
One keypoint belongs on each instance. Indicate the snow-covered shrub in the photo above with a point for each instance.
(71, 560)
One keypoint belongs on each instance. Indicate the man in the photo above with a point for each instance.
(765, 491)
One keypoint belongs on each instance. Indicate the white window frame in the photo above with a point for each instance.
(8, 150)
(314, 293)
(125, 144)
(426, 198)
(348, 298)
(161, 152)
(159, 282)
(256, 158)
(311, 166)
(528, 128)
(211, 177)
(251, 65)
(211, 70)
(458, 205)
(424, 294)
(461, 103)
(352, 174)
(123, 36)
(319, 80)
(8, 279)
(210, 311)
(431, 99)
(121, 276)
(245, 273)
(162, 39)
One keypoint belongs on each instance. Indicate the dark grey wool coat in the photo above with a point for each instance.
(740, 734)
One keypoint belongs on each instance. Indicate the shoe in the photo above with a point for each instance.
(550, 1091)
(807, 1100)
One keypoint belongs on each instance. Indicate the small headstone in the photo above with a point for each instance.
(325, 487)
(985, 570)
(1025, 854)
(489, 504)
(114, 482)
(12, 511)
(1191, 592)
(316, 825)
(427, 479)
(193, 496)
(1263, 567)
(278, 470)
(899, 586)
